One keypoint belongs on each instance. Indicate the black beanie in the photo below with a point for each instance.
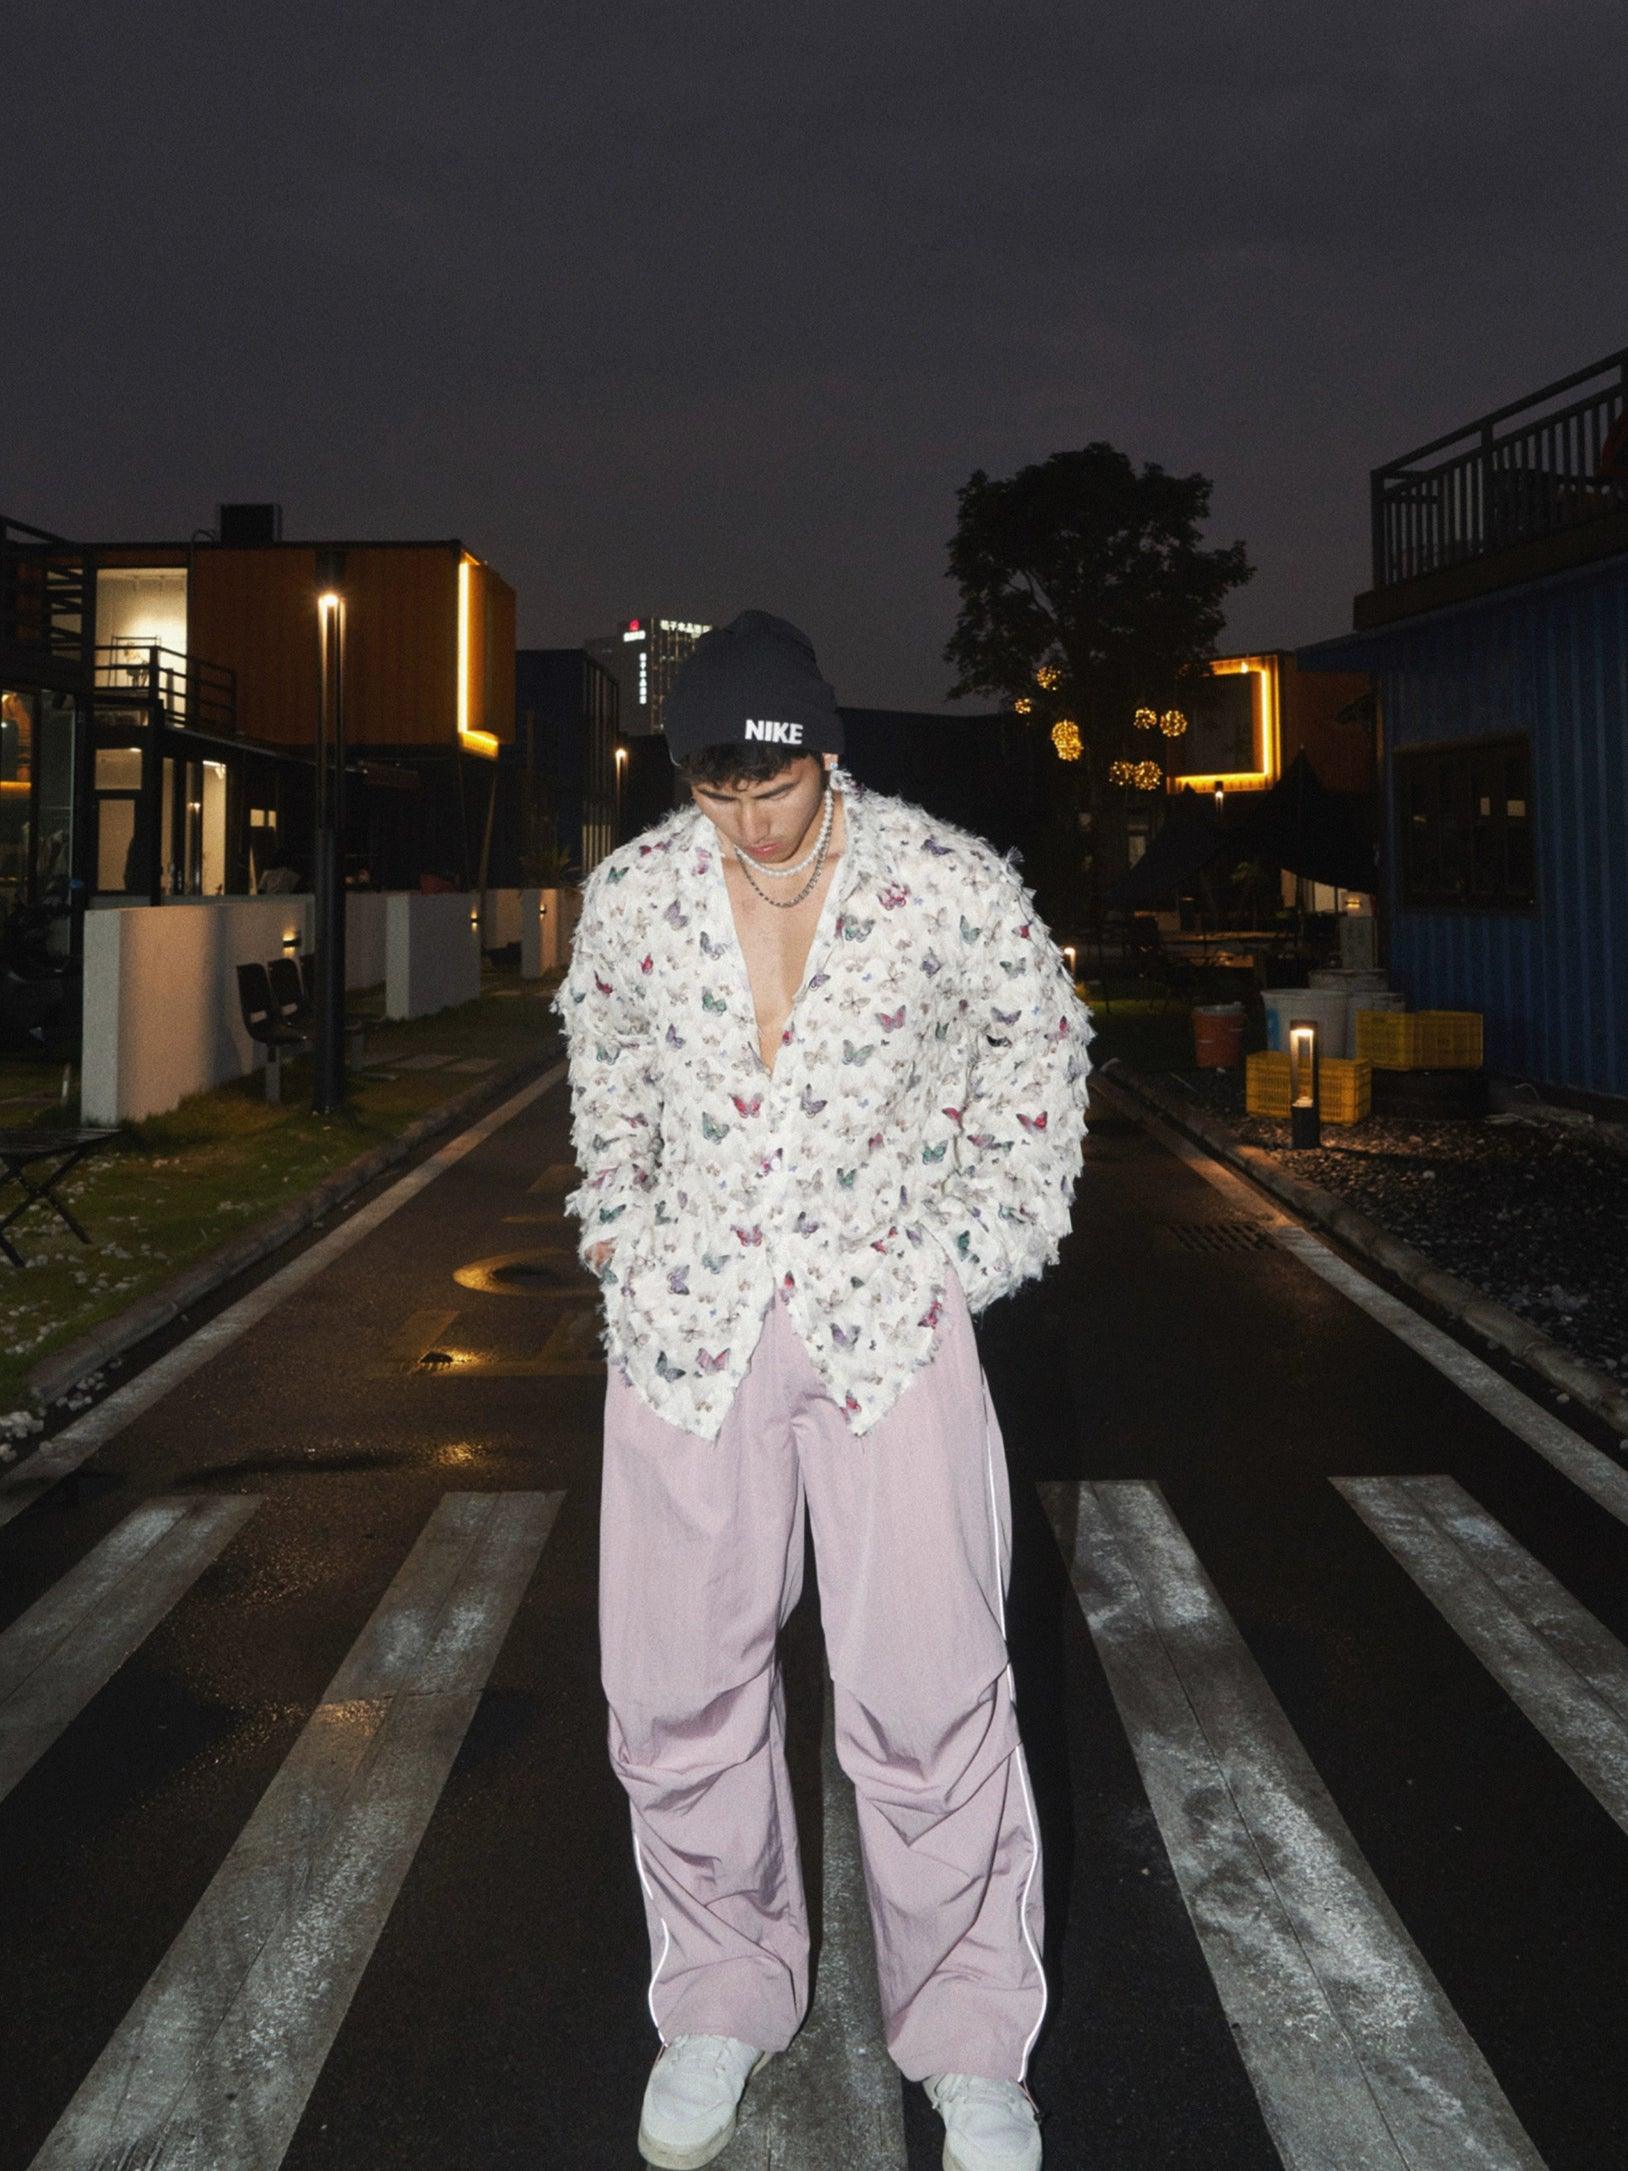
(752, 682)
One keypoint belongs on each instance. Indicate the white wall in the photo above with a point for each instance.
(161, 1017)
(432, 952)
(542, 932)
(500, 918)
(364, 938)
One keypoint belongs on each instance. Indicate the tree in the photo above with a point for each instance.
(1086, 593)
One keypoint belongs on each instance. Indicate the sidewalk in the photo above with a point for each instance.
(194, 1191)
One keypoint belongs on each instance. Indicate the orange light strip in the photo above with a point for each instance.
(473, 740)
(1267, 730)
(464, 565)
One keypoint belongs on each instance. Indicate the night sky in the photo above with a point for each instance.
(691, 308)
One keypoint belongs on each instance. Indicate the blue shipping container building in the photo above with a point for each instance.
(1496, 631)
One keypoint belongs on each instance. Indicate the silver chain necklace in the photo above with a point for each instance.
(817, 856)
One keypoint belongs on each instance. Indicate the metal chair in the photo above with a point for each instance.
(266, 1026)
(293, 988)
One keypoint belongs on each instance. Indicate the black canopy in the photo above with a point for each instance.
(1299, 824)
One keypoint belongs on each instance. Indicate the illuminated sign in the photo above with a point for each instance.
(680, 625)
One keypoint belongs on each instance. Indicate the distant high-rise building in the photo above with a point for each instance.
(642, 655)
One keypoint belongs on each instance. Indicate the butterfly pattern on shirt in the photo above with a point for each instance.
(922, 1123)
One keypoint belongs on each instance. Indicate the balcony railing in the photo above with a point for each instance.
(1557, 459)
(42, 599)
(142, 674)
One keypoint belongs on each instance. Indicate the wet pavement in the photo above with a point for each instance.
(312, 1855)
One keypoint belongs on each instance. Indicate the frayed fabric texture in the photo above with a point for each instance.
(922, 1124)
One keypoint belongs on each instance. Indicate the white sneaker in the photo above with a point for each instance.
(691, 2099)
(988, 2125)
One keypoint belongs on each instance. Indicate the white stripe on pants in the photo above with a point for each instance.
(701, 1563)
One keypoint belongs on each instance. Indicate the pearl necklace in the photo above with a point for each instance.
(782, 874)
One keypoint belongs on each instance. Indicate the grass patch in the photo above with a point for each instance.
(1153, 1030)
(176, 1185)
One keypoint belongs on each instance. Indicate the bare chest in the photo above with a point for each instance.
(775, 942)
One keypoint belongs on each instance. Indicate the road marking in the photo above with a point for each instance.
(834, 2097)
(1560, 1665)
(1358, 2059)
(1577, 1459)
(557, 1178)
(76, 1443)
(418, 1332)
(1592, 1472)
(71, 1643)
(216, 2060)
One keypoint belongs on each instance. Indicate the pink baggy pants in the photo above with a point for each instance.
(701, 1564)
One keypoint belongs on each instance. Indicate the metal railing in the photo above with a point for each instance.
(43, 588)
(1557, 459)
(146, 675)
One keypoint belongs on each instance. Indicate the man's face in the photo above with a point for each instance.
(774, 820)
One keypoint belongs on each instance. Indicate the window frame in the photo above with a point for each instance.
(1464, 861)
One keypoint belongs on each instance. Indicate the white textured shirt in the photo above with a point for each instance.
(924, 1115)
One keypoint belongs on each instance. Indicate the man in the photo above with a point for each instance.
(828, 1074)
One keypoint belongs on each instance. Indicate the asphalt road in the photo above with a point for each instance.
(311, 1854)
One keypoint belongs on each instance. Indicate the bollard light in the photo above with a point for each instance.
(1305, 1123)
(1068, 952)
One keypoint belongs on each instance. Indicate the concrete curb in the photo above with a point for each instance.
(61, 1371)
(1494, 1322)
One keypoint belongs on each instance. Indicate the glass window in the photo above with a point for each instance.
(16, 786)
(57, 718)
(1464, 822)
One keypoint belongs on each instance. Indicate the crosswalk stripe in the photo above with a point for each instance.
(66, 1450)
(217, 2058)
(834, 2098)
(70, 1644)
(1359, 2061)
(1561, 1666)
(1575, 1458)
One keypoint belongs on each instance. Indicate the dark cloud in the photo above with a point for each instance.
(708, 306)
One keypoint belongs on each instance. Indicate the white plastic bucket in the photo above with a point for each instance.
(1326, 1008)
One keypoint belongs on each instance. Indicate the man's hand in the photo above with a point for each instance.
(599, 1254)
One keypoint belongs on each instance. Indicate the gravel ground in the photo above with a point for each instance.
(1533, 1212)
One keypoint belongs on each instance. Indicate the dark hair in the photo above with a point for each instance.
(739, 763)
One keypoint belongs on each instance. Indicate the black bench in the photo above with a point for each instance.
(293, 990)
(265, 1025)
(35, 1162)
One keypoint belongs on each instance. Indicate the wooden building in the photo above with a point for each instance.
(216, 640)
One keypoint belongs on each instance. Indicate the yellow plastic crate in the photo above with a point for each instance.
(1389, 1039)
(1420, 1039)
(1449, 1039)
(1266, 1083)
(1344, 1086)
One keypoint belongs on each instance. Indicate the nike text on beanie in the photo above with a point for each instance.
(752, 682)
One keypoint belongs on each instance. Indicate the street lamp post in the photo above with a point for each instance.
(328, 1070)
